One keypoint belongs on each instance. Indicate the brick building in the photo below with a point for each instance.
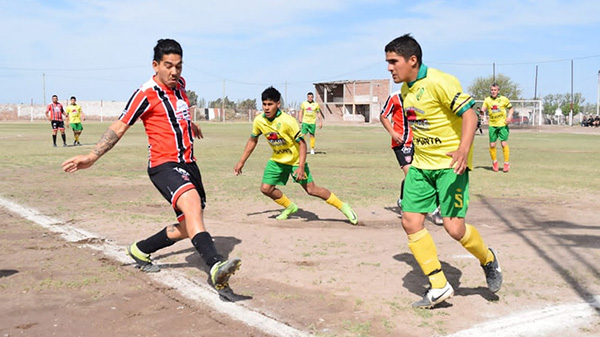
(352, 100)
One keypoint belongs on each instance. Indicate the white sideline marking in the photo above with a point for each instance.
(198, 292)
(543, 322)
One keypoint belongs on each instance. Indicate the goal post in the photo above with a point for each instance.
(527, 111)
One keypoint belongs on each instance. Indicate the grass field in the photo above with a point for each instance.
(317, 273)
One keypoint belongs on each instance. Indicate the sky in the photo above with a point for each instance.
(102, 50)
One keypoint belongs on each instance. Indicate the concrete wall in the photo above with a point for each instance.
(93, 110)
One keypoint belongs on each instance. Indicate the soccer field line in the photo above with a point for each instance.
(201, 293)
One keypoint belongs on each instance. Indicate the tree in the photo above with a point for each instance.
(245, 105)
(480, 88)
(563, 101)
(191, 94)
(218, 103)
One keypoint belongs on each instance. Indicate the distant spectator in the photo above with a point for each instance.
(596, 122)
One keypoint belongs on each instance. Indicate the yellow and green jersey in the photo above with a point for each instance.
(497, 109)
(309, 112)
(282, 134)
(434, 104)
(74, 113)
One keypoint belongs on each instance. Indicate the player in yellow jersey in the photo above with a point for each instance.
(289, 158)
(310, 112)
(500, 113)
(443, 124)
(76, 116)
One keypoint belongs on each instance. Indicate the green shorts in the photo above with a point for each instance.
(424, 190)
(278, 174)
(496, 132)
(309, 128)
(76, 126)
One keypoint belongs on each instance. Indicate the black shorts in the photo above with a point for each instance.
(60, 125)
(174, 179)
(404, 154)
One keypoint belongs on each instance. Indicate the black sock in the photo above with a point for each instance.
(157, 241)
(54, 139)
(402, 189)
(206, 247)
(64, 138)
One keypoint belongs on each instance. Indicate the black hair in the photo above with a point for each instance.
(166, 47)
(405, 46)
(271, 94)
(310, 93)
(73, 97)
(54, 96)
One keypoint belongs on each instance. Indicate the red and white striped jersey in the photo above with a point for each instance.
(166, 117)
(393, 106)
(56, 111)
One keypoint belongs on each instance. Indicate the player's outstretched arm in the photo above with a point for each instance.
(250, 145)
(108, 140)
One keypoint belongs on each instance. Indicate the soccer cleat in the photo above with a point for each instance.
(434, 296)
(142, 260)
(54, 145)
(291, 209)
(399, 203)
(437, 217)
(495, 166)
(312, 151)
(65, 145)
(493, 274)
(74, 143)
(222, 271)
(506, 167)
(349, 213)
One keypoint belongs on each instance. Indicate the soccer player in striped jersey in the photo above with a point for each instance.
(289, 158)
(54, 113)
(402, 142)
(500, 113)
(162, 105)
(443, 124)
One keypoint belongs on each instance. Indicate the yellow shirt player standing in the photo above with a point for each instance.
(443, 124)
(310, 112)
(500, 113)
(76, 116)
(289, 158)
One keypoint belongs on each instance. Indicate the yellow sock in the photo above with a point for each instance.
(493, 153)
(283, 201)
(76, 138)
(312, 142)
(423, 248)
(334, 201)
(506, 152)
(473, 243)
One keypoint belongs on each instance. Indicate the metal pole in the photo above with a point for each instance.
(598, 96)
(44, 88)
(572, 98)
(494, 72)
(223, 102)
(536, 80)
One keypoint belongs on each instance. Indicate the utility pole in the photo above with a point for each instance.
(598, 96)
(223, 101)
(44, 88)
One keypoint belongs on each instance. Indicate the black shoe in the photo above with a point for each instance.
(493, 274)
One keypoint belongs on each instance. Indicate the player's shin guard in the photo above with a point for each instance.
(474, 244)
(204, 244)
(157, 241)
(506, 152)
(423, 248)
(494, 153)
(334, 201)
(283, 201)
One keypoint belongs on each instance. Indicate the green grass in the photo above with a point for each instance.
(358, 164)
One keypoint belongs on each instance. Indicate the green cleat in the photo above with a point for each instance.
(291, 209)
(349, 213)
(222, 271)
(142, 260)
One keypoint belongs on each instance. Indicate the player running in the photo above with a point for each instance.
(443, 125)
(310, 112)
(289, 158)
(498, 107)
(75, 115)
(163, 106)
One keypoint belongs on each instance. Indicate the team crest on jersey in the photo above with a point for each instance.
(420, 93)
(182, 110)
(184, 174)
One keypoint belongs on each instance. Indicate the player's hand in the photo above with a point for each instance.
(237, 170)
(509, 121)
(196, 131)
(320, 125)
(459, 161)
(299, 174)
(397, 137)
(78, 163)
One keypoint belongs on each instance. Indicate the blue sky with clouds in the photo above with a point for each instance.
(103, 49)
